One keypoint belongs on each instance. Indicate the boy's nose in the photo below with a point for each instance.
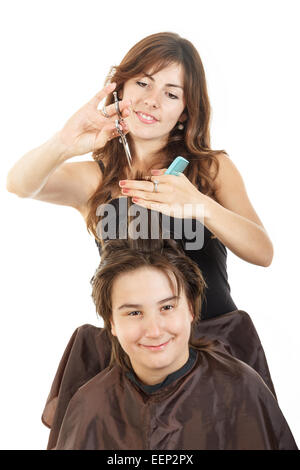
(153, 328)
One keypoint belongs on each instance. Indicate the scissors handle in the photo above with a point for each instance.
(124, 142)
(119, 129)
(117, 105)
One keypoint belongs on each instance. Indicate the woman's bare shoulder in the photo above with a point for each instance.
(231, 192)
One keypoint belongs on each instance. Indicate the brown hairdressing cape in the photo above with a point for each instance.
(221, 403)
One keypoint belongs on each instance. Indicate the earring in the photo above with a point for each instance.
(180, 126)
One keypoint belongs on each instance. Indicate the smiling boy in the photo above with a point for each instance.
(163, 389)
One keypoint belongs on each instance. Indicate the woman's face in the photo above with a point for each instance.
(157, 102)
(152, 326)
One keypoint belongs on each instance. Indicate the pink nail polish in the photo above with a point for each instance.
(122, 183)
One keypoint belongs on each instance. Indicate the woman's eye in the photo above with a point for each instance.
(173, 97)
(142, 84)
(170, 95)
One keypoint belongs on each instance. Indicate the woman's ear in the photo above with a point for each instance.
(183, 117)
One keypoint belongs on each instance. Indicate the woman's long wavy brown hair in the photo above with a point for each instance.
(123, 256)
(154, 53)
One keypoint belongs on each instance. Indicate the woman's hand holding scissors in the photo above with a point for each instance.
(172, 195)
(90, 128)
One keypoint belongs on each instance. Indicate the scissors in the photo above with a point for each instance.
(122, 138)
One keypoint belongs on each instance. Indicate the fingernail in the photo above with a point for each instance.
(155, 172)
(122, 183)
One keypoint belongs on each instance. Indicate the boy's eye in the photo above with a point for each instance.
(167, 307)
(137, 313)
(134, 314)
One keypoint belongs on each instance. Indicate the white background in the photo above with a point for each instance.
(54, 58)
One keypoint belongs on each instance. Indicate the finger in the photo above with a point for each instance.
(103, 93)
(151, 205)
(111, 132)
(137, 185)
(145, 196)
(125, 107)
(125, 127)
(108, 131)
(106, 124)
(171, 179)
(158, 172)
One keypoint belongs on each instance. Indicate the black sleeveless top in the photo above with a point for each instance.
(207, 252)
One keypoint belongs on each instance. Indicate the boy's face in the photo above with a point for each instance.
(151, 324)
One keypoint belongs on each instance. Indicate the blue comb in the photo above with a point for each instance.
(177, 166)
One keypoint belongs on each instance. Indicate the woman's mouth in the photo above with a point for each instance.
(159, 347)
(146, 118)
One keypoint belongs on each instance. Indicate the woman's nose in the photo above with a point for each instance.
(152, 99)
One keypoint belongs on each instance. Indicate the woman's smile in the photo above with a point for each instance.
(146, 118)
(156, 110)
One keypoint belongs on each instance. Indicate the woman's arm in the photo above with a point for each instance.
(43, 172)
(29, 173)
(233, 220)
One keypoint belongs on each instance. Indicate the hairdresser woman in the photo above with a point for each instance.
(164, 78)
(165, 105)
